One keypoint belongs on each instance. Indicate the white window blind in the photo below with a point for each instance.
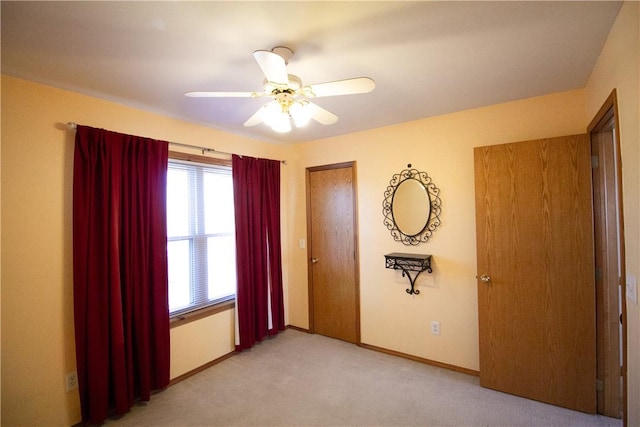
(201, 235)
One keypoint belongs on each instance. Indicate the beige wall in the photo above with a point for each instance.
(619, 68)
(37, 316)
(37, 306)
(197, 343)
(443, 147)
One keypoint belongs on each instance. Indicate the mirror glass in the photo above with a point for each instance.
(411, 207)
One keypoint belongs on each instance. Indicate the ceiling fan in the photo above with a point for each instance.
(290, 96)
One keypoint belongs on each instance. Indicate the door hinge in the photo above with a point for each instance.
(595, 161)
(599, 385)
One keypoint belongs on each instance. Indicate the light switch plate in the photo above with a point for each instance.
(632, 289)
(435, 328)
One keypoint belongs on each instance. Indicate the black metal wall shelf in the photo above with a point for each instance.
(409, 262)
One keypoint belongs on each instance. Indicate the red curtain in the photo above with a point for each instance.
(259, 300)
(121, 309)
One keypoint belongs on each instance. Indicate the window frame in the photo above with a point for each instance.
(223, 304)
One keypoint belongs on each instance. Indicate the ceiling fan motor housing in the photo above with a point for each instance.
(294, 84)
(285, 98)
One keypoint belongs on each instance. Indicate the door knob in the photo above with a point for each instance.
(314, 260)
(485, 279)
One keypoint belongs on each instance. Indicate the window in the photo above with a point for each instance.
(201, 235)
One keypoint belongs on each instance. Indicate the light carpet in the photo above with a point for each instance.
(300, 379)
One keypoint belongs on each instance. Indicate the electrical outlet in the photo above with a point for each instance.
(435, 328)
(632, 289)
(71, 380)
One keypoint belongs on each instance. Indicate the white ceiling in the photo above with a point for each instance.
(427, 58)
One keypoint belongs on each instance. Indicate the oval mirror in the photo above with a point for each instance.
(411, 207)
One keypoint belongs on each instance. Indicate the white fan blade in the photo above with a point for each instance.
(223, 94)
(321, 115)
(273, 66)
(341, 87)
(256, 119)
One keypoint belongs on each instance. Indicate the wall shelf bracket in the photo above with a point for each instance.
(409, 263)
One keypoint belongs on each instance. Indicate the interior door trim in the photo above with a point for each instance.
(608, 109)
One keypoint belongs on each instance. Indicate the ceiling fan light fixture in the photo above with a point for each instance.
(269, 112)
(281, 123)
(300, 113)
(279, 114)
(276, 117)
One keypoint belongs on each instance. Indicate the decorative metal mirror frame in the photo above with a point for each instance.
(431, 223)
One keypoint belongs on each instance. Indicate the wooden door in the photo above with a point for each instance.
(333, 285)
(536, 303)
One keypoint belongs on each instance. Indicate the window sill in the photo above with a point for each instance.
(183, 319)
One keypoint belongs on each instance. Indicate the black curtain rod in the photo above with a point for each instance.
(205, 150)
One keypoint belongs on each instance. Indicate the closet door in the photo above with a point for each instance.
(536, 290)
(333, 273)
